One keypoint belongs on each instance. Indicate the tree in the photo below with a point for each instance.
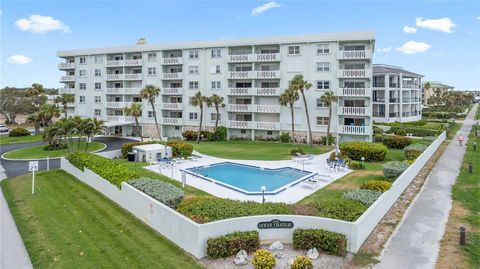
(198, 100)
(150, 92)
(301, 85)
(13, 102)
(217, 102)
(80, 127)
(328, 98)
(64, 99)
(93, 127)
(288, 98)
(35, 91)
(47, 113)
(135, 110)
(36, 120)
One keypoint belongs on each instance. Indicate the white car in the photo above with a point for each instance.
(3, 128)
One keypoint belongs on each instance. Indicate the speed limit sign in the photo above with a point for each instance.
(32, 167)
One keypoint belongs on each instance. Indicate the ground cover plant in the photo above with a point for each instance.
(161, 191)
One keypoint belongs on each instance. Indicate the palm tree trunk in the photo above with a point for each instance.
(138, 128)
(327, 141)
(200, 125)
(308, 120)
(155, 118)
(293, 123)
(65, 109)
(216, 123)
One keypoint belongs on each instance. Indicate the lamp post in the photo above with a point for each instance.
(363, 161)
(263, 188)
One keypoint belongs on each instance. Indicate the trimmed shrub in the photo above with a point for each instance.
(189, 135)
(396, 141)
(377, 130)
(161, 191)
(414, 150)
(285, 137)
(263, 259)
(19, 132)
(331, 140)
(366, 197)
(180, 149)
(355, 165)
(394, 169)
(230, 244)
(221, 133)
(357, 150)
(302, 262)
(376, 185)
(127, 147)
(55, 147)
(416, 131)
(111, 171)
(378, 138)
(398, 130)
(347, 210)
(207, 209)
(330, 242)
(296, 151)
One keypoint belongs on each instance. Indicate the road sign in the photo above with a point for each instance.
(33, 166)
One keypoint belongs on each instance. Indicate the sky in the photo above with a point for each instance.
(438, 39)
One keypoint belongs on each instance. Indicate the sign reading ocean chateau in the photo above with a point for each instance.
(275, 224)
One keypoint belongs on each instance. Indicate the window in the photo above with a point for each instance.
(354, 47)
(82, 99)
(193, 54)
(355, 84)
(193, 115)
(83, 60)
(98, 99)
(82, 86)
(152, 56)
(323, 67)
(323, 84)
(293, 50)
(83, 73)
(320, 104)
(216, 85)
(175, 85)
(98, 85)
(98, 112)
(193, 70)
(98, 72)
(269, 132)
(152, 71)
(354, 66)
(177, 128)
(150, 114)
(193, 85)
(323, 48)
(215, 69)
(322, 120)
(98, 59)
(213, 116)
(216, 53)
(243, 131)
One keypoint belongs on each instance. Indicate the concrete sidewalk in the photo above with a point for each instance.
(416, 241)
(13, 254)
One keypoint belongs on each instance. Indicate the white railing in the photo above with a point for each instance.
(268, 91)
(133, 76)
(172, 91)
(67, 78)
(67, 90)
(239, 107)
(116, 104)
(240, 124)
(241, 74)
(178, 75)
(120, 118)
(240, 58)
(174, 60)
(352, 73)
(268, 57)
(66, 65)
(354, 54)
(350, 129)
(134, 62)
(270, 126)
(354, 92)
(172, 106)
(115, 76)
(268, 74)
(241, 91)
(172, 121)
(115, 63)
(124, 90)
(353, 110)
(268, 108)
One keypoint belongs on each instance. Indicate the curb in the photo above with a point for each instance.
(42, 159)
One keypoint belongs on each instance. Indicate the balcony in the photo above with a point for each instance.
(172, 61)
(241, 58)
(115, 63)
(172, 106)
(354, 54)
(354, 73)
(134, 62)
(241, 75)
(394, 100)
(67, 90)
(172, 121)
(379, 99)
(355, 130)
(268, 91)
(172, 91)
(118, 104)
(240, 108)
(67, 78)
(268, 109)
(360, 92)
(133, 76)
(260, 57)
(63, 66)
(115, 76)
(267, 57)
(120, 118)
(242, 91)
(172, 76)
(410, 86)
(268, 74)
(354, 111)
(378, 114)
(255, 91)
(240, 124)
(269, 126)
(133, 91)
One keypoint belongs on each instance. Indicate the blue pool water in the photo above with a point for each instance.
(250, 179)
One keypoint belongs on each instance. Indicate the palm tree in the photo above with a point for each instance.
(64, 99)
(35, 91)
(198, 100)
(135, 110)
(36, 120)
(47, 113)
(217, 102)
(80, 125)
(328, 98)
(150, 92)
(302, 85)
(94, 127)
(288, 98)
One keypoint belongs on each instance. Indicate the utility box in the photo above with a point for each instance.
(151, 152)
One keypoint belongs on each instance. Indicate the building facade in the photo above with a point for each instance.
(397, 94)
(436, 89)
(249, 73)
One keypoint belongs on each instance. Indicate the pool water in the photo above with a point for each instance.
(250, 179)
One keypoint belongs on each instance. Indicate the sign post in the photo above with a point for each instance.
(32, 167)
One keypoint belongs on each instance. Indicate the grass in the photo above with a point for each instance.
(67, 224)
(39, 151)
(453, 130)
(254, 150)
(5, 139)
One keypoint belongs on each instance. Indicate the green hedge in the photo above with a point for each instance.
(414, 150)
(161, 191)
(347, 210)
(416, 131)
(376, 185)
(230, 244)
(114, 172)
(330, 242)
(394, 169)
(180, 149)
(207, 209)
(127, 147)
(396, 141)
(366, 197)
(357, 150)
(19, 132)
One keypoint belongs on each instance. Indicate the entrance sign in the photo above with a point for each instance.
(275, 224)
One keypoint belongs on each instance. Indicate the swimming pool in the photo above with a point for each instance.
(250, 179)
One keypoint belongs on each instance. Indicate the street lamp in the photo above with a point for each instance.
(363, 161)
(263, 188)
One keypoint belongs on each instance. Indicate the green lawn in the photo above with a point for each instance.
(254, 150)
(453, 130)
(39, 151)
(5, 139)
(67, 224)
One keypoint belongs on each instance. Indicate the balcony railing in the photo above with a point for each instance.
(115, 63)
(270, 126)
(378, 114)
(172, 106)
(172, 121)
(133, 91)
(240, 108)
(410, 86)
(66, 65)
(345, 110)
(241, 58)
(241, 74)
(354, 73)
(268, 108)
(267, 57)
(268, 91)
(240, 124)
(394, 100)
(133, 76)
(133, 62)
(255, 91)
(354, 54)
(115, 76)
(259, 57)
(120, 118)
(354, 92)
(67, 78)
(174, 60)
(268, 74)
(67, 90)
(172, 76)
(241, 91)
(118, 104)
(172, 91)
(379, 99)
(356, 130)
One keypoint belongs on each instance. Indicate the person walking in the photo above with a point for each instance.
(460, 139)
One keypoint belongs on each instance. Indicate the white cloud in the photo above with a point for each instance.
(443, 25)
(384, 50)
(19, 59)
(260, 9)
(409, 29)
(41, 24)
(414, 47)
(478, 18)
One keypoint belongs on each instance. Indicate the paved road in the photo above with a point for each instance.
(416, 241)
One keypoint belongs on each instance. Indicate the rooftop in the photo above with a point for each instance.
(384, 68)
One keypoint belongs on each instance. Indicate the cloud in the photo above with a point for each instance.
(384, 50)
(260, 9)
(409, 29)
(414, 47)
(19, 59)
(478, 18)
(41, 24)
(443, 25)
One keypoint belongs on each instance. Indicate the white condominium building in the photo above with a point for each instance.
(397, 94)
(249, 73)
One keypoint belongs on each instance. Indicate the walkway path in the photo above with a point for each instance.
(416, 241)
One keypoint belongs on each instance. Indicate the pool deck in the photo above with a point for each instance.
(290, 195)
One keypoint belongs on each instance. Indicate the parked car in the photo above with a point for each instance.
(3, 128)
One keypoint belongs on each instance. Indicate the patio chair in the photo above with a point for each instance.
(341, 164)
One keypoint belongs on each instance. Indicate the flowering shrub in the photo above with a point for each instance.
(302, 262)
(263, 259)
(161, 191)
(180, 149)
(396, 141)
(394, 169)
(376, 185)
(366, 197)
(357, 150)
(330, 242)
(414, 150)
(229, 244)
